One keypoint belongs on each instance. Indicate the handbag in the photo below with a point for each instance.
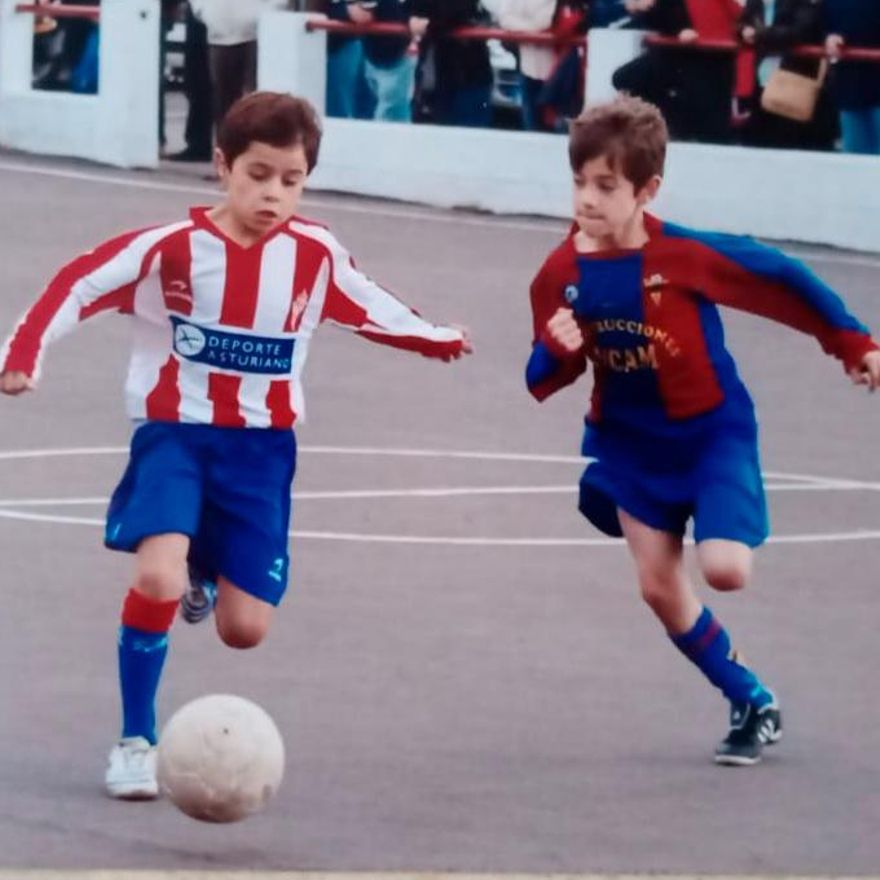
(794, 95)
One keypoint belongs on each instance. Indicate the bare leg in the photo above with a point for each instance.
(663, 582)
(160, 567)
(147, 614)
(726, 565)
(242, 620)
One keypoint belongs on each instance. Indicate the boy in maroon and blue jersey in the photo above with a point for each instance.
(671, 428)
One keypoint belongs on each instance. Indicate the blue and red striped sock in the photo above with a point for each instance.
(707, 645)
(143, 644)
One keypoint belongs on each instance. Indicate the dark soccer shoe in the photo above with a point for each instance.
(200, 597)
(750, 730)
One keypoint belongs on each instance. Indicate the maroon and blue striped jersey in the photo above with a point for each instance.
(652, 328)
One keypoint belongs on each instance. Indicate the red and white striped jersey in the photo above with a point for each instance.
(222, 332)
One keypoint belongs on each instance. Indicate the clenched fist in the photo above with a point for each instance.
(13, 382)
(565, 330)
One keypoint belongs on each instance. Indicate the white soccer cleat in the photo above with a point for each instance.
(131, 770)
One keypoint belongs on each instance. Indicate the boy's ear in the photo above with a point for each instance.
(649, 190)
(220, 164)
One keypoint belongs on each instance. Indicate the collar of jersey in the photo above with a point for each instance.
(199, 216)
(653, 228)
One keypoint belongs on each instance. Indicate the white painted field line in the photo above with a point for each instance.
(824, 538)
(452, 454)
(342, 494)
(550, 226)
(438, 492)
(555, 228)
(10, 508)
(123, 874)
(321, 450)
(23, 454)
(455, 541)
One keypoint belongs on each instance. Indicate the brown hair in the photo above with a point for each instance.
(629, 132)
(271, 118)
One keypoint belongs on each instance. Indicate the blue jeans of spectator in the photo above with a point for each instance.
(861, 130)
(345, 68)
(392, 88)
(531, 113)
(468, 107)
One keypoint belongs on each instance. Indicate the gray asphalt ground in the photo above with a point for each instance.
(454, 694)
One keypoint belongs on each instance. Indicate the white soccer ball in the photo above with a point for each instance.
(221, 758)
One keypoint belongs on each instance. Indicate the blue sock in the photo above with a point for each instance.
(707, 645)
(141, 658)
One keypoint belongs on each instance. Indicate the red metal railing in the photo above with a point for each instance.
(543, 38)
(847, 53)
(50, 11)
(534, 38)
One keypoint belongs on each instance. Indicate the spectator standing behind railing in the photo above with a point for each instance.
(345, 61)
(389, 69)
(454, 78)
(66, 52)
(562, 97)
(607, 13)
(856, 86)
(772, 27)
(197, 88)
(536, 63)
(232, 46)
(694, 90)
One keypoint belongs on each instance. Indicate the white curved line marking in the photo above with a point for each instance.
(366, 538)
(793, 482)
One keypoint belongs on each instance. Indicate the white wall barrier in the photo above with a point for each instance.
(822, 198)
(610, 49)
(801, 196)
(119, 125)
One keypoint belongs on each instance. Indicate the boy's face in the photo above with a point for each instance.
(264, 185)
(605, 201)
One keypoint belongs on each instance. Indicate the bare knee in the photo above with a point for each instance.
(160, 570)
(726, 578)
(242, 620)
(726, 565)
(241, 634)
(160, 581)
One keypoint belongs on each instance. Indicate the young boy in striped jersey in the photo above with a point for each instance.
(671, 428)
(225, 304)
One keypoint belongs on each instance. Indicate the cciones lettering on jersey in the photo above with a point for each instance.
(232, 351)
(633, 357)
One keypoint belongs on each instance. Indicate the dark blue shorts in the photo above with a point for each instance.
(228, 489)
(714, 478)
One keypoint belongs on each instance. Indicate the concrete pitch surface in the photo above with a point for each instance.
(463, 681)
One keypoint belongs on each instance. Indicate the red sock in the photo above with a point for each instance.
(146, 614)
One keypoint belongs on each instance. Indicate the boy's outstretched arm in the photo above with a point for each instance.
(746, 275)
(15, 382)
(102, 280)
(356, 302)
(868, 371)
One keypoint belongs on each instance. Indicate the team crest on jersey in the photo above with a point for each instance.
(653, 284)
(571, 293)
(298, 307)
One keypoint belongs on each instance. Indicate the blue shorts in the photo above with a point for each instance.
(228, 489)
(714, 478)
